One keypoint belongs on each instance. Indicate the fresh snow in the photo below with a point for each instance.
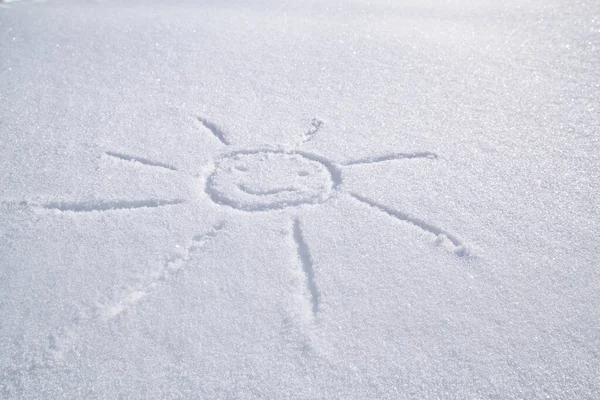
(299, 199)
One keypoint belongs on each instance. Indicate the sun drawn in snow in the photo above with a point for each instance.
(257, 181)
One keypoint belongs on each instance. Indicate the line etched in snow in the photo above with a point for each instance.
(128, 301)
(315, 127)
(141, 160)
(268, 192)
(108, 205)
(14, 203)
(171, 266)
(215, 130)
(334, 170)
(307, 266)
(109, 307)
(390, 157)
(202, 238)
(459, 246)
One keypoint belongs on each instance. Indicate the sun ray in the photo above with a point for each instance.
(459, 246)
(125, 298)
(390, 157)
(215, 130)
(315, 126)
(170, 267)
(140, 160)
(306, 260)
(102, 205)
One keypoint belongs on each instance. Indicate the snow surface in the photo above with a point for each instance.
(303, 200)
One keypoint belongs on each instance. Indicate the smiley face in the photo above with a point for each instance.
(268, 179)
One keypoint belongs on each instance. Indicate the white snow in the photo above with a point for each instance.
(304, 200)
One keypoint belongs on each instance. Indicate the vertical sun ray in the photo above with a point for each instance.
(306, 260)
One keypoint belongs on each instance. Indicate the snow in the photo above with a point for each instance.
(304, 200)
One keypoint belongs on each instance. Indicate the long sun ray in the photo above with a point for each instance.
(170, 267)
(142, 160)
(390, 157)
(427, 227)
(112, 205)
(106, 308)
(306, 260)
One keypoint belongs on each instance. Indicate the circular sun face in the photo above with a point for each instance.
(266, 180)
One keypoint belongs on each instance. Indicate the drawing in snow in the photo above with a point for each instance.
(261, 180)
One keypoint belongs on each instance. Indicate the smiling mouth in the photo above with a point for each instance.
(257, 192)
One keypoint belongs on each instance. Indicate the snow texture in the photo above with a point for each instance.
(299, 200)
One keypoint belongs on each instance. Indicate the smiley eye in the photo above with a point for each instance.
(241, 168)
(303, 173)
